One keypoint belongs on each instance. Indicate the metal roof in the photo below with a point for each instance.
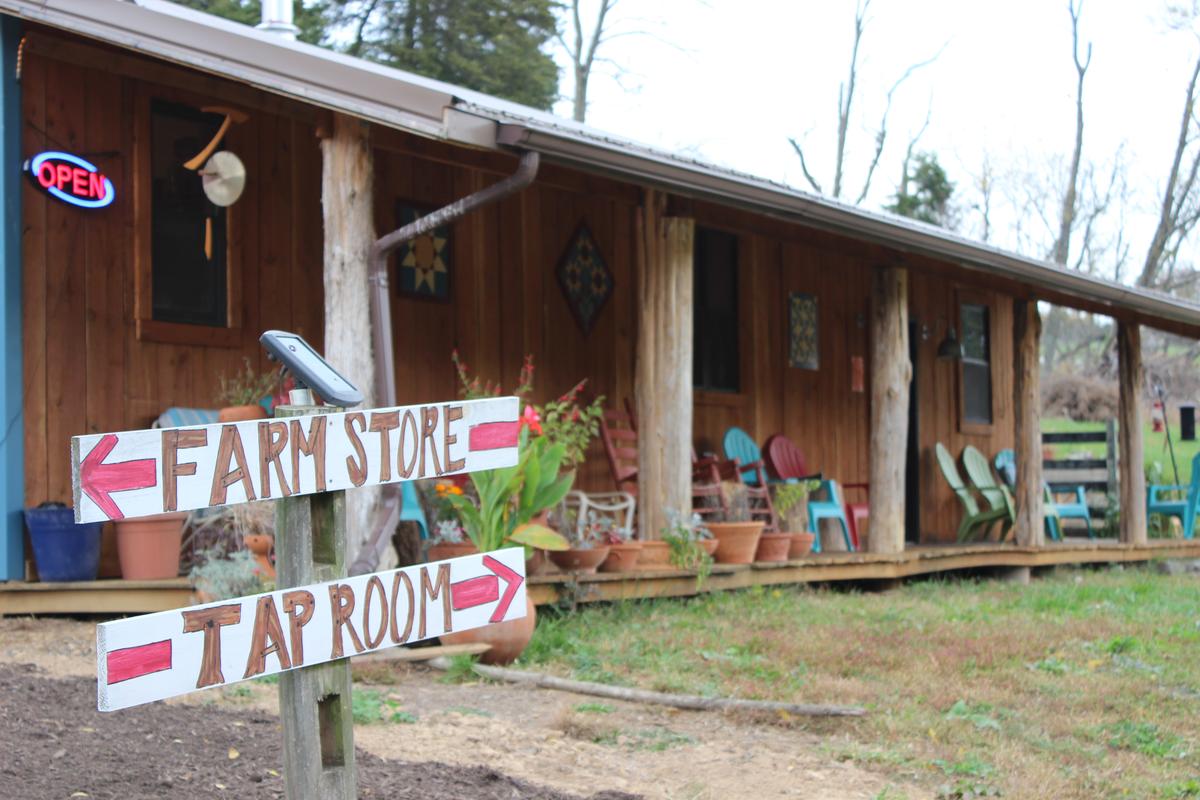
(435, 109)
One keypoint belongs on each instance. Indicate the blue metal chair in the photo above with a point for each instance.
(1006, 464)
(830, 508)
(1184, 508)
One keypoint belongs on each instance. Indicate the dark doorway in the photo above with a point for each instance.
(912, 465)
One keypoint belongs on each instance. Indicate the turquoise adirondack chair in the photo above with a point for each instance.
(830, 508)
(738, 444)
(1055, 509)
(1185, 508)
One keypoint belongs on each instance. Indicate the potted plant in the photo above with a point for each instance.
(241, 394)
(149, 547)
(588, 545)
(623, 550)
(736, 533)
(689, 544)
(791, 503)
(449, 540)
(502, 514)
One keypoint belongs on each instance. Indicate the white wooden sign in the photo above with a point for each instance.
(155, 656)
(139, 473)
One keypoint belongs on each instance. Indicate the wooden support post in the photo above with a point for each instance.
(347, 202)
(891, 373)
(1133, 478)
(663, 389)
(1027, 396)
(314, 702)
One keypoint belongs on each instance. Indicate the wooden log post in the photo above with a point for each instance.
(1027, 397)
(663, 389)
(891, 373)
(347, 202)
(1133, 478)
(314, 702)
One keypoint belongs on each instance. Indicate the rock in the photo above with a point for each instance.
(1179, 566)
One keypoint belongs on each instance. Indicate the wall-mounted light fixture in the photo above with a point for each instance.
(950, 347)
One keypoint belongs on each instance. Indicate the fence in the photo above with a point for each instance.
(1098, 476)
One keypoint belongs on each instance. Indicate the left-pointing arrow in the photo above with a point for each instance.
(98, 480)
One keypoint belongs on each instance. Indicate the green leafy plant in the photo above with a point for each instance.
(683, 541)
(566, 422)
(791, 502)
(509, 498)
(246, 387)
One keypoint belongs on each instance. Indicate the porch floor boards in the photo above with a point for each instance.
(128, 597)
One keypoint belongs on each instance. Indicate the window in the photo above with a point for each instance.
(187, 232)
(976, 364)
(714, 316)
(187, 284)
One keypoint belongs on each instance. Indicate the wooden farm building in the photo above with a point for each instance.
(668, 283)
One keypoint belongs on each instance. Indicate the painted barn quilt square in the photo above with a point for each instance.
(803, 351)
(585, 279)
(423, 264)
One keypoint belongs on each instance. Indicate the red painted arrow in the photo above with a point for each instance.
(493, 435)
(134, 662)
(98, 479)
(486, 589)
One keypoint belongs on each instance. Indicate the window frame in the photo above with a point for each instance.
(146, 328)
(969, 298)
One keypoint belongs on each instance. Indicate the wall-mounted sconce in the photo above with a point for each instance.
(950, 347)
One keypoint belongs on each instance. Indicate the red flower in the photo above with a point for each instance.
(531, 418)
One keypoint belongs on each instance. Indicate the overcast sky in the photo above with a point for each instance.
(739, 77)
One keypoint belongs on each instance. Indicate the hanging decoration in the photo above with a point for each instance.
(423, 262)
(803, 352)
(222, 174)
(585, 279)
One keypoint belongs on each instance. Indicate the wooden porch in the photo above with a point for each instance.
(128, 597)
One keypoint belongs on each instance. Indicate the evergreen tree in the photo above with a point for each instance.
(492, 46)
(924, 193)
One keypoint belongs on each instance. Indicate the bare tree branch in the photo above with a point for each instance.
(804, 166)
(1062, 245)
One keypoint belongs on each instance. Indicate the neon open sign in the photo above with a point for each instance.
(71, 179)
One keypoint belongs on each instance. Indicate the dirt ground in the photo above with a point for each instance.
(475, 740)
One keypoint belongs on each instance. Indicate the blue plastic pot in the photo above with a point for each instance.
(62, 550)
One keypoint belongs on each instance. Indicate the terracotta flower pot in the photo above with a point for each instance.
(241, 413)
(736, 541)
(708, 545)
(535, 564)
(508, 639)
(622, 557)
(802, 544)
(438, 552)
(148, 547)
(579, 560)
(655, 554)
(260, 545)
(773, 547)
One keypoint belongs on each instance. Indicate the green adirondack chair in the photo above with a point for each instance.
(995, 493)
(972, 518)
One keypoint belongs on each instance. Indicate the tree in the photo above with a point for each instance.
(846, 92)
(309, 16)
(582, 50)
(924, 192)
(492, 46)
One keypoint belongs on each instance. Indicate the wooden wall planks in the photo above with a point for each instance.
(505, 299)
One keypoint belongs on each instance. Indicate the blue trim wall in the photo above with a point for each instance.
(12, 438)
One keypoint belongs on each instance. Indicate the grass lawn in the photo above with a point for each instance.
(1155, 446)
(1084, 684)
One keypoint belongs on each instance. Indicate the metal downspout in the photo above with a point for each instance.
(387, 514)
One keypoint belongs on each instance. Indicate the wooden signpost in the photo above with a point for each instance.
(304, 459)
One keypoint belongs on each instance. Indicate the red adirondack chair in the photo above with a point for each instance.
(784, 460)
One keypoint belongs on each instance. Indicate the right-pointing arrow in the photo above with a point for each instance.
(486, 589)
